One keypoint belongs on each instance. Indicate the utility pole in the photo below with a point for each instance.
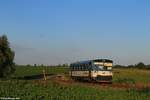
(44, 74)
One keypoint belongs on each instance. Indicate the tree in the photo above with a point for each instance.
(6, 57)
(140, 65)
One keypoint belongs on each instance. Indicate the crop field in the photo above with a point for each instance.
(132, 75)
(28, 84)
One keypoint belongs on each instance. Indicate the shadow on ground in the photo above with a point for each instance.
(33, 77)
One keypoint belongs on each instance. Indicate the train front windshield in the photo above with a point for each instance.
(102, 67)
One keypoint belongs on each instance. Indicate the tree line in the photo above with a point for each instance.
(140, 65)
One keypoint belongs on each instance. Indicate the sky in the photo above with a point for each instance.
(64, 31)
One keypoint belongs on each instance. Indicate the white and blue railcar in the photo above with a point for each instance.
(99, 70)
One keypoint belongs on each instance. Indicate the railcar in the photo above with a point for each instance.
(98, 70)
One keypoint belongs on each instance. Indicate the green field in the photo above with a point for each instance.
(132, 75)
(26, 89)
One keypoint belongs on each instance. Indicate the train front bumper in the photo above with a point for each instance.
(103, 78)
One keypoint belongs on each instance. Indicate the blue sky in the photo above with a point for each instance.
(64, 31)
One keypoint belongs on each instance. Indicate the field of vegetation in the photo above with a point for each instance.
(27, 83)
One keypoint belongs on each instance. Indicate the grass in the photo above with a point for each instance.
(132, 75)
(29, 71)
(28, 90)
(50, 90)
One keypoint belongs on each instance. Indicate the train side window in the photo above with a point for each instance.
(84, 67)
(77, 67)
(90, 63)
(73, 67)
(81, 67)
(88, 67)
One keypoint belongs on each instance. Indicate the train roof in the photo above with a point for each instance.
(81, 62)
(103, 60)
(95, 60)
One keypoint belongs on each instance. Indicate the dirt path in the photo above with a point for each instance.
(63, 80)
